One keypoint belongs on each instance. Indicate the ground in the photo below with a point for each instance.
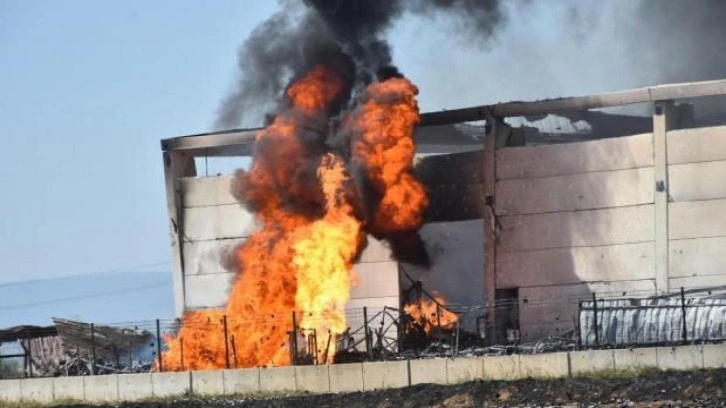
(705, 388)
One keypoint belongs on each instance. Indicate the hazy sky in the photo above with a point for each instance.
(88, 88)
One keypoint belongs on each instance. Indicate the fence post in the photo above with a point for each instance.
(181, 353)
(597, 334)
(365, 331)
(158, 345)
(683, 316)
(93, 349)
(315, 347)
(294, 338)
(578, 325)
(327, 347)
(226, 343)
(30, 353)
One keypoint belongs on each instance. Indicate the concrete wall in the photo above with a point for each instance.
(696, 225)
(573, 216)
(359, 376)
(587, 217)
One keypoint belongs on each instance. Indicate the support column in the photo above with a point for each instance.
(663, 117)
(490, 253)
(499, 135)
(177, 165)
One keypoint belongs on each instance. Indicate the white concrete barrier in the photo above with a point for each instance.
(501, 367)
(241, 381)
(346, 377)
(626, 359)
(548, 365)
(459, 370)
(134, 387)
(10, 390)
(714, 355)
(428, 371)
(171, 384)
(208, 382)
(588, 361)
(277, 379)
(679, 358)
(100, 388)
(37, 389)
(314, 379)
(356, 377)
(68, 388)
(385, 374)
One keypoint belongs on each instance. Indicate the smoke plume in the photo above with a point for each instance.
(292, 40)
(574, 47)
(280, 48)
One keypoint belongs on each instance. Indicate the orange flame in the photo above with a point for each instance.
(324, 257)
(301, 260)
(430, 314)
(386, 149)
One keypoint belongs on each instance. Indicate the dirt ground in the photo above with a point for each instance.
(706, 388)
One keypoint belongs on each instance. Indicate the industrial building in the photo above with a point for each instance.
(524, 222)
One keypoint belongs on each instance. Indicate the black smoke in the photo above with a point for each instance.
(293, 39)
(359, 26)
(664, 41)
(280, 48)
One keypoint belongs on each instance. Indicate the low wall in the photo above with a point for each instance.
(358, 376)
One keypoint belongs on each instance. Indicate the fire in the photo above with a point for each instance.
(386, 149)
(429, 314)
(300, 260)
(323, 257)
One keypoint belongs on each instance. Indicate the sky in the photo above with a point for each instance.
(100, 298)
(88, 89)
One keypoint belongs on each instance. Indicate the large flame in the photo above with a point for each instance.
(300, 261)
(386, 149)
(323, 257)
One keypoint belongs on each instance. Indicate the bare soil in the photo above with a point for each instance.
(705, 388)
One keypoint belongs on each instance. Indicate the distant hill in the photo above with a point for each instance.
(102, 298)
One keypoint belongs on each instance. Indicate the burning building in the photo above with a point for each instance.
(351, 197)
(515, 241)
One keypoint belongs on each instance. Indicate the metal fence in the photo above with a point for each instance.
(502, 327)
(651, 321)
